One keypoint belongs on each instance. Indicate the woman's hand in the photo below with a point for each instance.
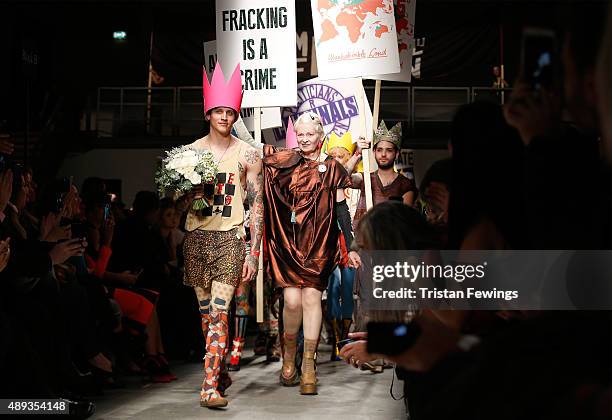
(50, 229)
(63, 251)
(354, 259)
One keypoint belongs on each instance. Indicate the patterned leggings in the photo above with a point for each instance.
(214, 304)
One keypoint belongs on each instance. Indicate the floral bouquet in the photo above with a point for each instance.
(183, 168)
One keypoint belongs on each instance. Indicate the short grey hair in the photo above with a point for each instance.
(312, 119)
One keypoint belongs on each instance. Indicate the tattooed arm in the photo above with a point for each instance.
(254, 182)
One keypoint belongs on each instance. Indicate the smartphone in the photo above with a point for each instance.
(78, 231)
(539, 57)
(391, 338)
(343, 343)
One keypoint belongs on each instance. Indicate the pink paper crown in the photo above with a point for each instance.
(218, 93)
(291, 137)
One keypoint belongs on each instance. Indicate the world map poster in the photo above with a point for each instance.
(355, 38)
(404, 21)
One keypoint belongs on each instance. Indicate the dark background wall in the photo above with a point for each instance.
(75, 53)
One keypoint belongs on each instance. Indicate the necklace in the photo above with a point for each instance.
(223, 154)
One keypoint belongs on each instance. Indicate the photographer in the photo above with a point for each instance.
(563, 158)
(407, 231)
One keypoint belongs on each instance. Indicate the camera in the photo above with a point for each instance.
(391, 338)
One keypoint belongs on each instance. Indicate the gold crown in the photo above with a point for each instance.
(394, 135)
(346, 141)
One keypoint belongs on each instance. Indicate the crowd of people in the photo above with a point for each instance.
(518, 179)
(90, 289)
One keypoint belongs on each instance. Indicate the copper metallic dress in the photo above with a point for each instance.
(300, 218)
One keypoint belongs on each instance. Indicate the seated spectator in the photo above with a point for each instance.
(139, 259)
(31, 279)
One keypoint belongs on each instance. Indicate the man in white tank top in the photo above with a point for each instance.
(214, 248)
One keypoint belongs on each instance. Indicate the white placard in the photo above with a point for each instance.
(404, 21)
(355, 38)
(335, 101)
(210, 58)
(260, 35)
(270, 117)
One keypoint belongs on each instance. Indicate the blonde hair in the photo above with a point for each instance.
(604, 85)
(312, 119)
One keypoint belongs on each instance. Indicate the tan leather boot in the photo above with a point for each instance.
(308, 382)
(289, 374)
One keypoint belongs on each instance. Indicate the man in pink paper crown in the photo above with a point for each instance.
(214, 248)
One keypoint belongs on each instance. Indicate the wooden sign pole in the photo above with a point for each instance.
(259, 284)
(366, 153)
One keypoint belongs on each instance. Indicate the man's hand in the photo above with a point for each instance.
(354, 259)
(356, 353)
(5, 253)
(197, 191)
(533, 114)
(6, 146)
(63, 251)
(362, 143)
(249, 268)
(6, 188)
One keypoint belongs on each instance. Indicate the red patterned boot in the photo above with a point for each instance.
(216, 343)
(240, 323)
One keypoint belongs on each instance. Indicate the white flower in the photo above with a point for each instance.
(186, 170)
(188, 161)
(194, 178)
